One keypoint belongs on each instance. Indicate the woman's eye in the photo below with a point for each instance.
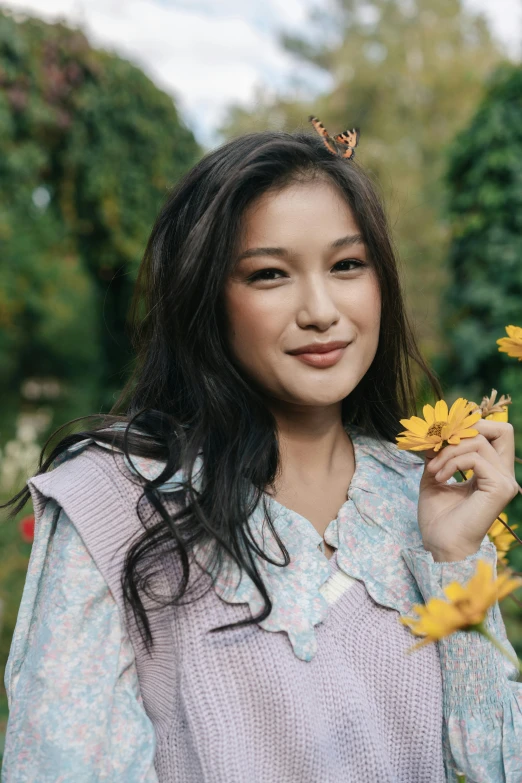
(264, 274)
(346, 265)
(351, 261)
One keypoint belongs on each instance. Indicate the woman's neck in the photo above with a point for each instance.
(313, 443)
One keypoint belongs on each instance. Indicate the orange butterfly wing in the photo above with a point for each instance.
(347, 140)
(321, 130)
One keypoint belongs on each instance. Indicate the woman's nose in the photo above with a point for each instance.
(316, 306)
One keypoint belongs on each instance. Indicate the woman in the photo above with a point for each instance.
(219, 567)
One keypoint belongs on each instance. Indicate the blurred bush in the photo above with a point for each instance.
(485, 256)
(485, 290)
(89, 147)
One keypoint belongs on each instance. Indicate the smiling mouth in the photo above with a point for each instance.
(320, 347)
(325, 359)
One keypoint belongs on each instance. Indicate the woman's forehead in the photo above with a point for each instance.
(296, 212)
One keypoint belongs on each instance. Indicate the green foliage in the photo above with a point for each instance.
(485, 292)
(409, 75)
(485, 205)
(88, 150)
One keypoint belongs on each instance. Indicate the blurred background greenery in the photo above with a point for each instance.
(89, 146)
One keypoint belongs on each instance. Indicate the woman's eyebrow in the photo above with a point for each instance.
(348, 241)
(281, 252)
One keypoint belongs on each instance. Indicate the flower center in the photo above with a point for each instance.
(436, 428)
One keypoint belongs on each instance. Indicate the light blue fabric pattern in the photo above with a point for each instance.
(482, 700)
(76, 713)
(378, 541)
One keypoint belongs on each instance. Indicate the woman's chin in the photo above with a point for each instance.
(316, 399)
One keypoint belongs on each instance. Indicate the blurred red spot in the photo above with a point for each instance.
(27, 528)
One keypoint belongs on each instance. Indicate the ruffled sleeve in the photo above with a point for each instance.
(76, 711)
(482, 700)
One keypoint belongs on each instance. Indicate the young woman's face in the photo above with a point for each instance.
(303, 277)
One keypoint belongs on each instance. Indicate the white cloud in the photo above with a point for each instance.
(505, 19)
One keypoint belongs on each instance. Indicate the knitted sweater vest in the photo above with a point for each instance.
(238, 705)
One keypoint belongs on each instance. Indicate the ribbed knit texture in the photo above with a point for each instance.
(238, 705)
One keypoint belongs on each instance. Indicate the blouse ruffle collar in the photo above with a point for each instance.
(375, 523)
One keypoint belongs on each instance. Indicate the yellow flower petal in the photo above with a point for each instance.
(454, 440)
(464, 607)
(512, 345)
(499, 416)
(441, 411)
(468, 433)
(507, 586)
(457, 410)
(471, 419)
(455, 591)
(429, 414)
(408, 446)
(416, 425)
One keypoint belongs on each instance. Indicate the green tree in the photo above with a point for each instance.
(88, 149)
(409, 74)
(485, 207)
(485, 290)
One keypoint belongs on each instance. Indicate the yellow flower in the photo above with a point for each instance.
(499, 416)
(438, 428)
(512, 344)
(502, 538)
(465, 608)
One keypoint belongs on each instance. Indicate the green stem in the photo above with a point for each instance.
(461, 778)
(481, 628)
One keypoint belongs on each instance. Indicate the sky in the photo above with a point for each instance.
(209, 54)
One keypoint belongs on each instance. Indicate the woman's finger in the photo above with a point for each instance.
(479, 443)
(501, 435)
(489, 479)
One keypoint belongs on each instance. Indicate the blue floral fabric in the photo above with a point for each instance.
(70, 648)
(69, 641)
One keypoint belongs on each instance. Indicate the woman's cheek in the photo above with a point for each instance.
(373, 308)
(248, 323)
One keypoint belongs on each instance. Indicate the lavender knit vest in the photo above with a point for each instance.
(238, 705)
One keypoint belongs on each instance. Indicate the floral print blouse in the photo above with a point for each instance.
(70, 645)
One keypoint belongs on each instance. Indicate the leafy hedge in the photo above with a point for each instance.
(88, 149)
(485, 260)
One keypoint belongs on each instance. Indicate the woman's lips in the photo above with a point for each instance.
(327, 359)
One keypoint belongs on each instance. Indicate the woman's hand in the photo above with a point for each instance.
(454, 518)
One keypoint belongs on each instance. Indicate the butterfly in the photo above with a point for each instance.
(343, 144)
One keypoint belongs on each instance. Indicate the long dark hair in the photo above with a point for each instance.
(187, 396)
